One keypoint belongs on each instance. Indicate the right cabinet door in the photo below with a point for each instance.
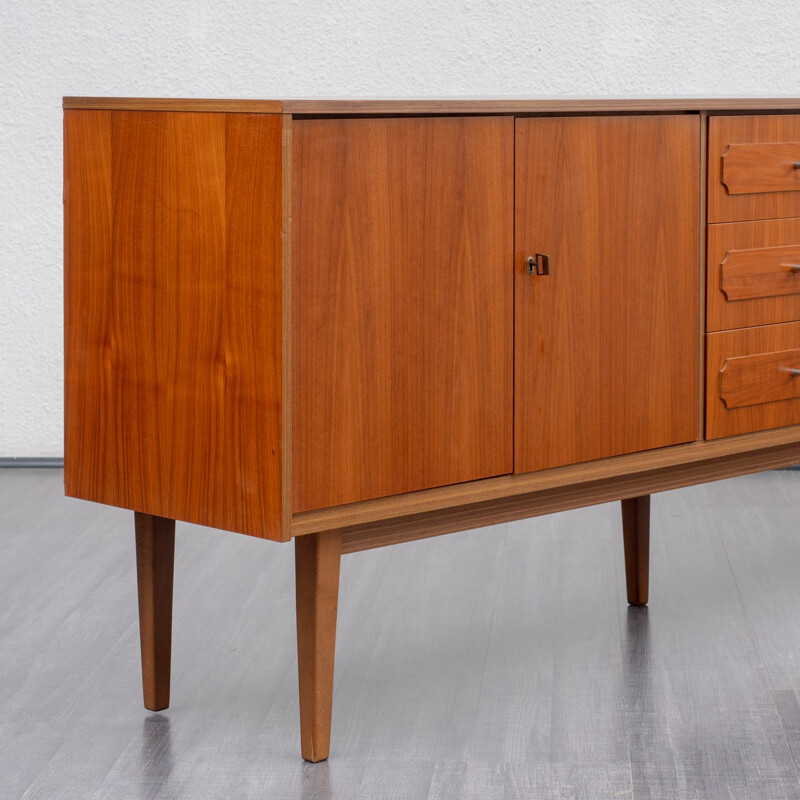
(607, 345)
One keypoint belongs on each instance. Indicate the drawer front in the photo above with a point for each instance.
(752, 172)
(753, 273)
(752, 379)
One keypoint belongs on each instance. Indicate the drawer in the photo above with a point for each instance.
(753, 167)
(752, 379)
(753, 273)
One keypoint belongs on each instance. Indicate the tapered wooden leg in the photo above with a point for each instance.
(636, 535)
(155, 557)
(317, 558)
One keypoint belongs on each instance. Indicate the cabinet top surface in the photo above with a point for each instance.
(456, 105)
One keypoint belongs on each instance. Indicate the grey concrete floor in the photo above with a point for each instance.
(495, 663)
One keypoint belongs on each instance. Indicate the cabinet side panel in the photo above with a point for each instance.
(173, 312)
(90, 449)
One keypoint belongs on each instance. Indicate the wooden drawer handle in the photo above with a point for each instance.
(760, 272)
(759, 378)
(757, 167)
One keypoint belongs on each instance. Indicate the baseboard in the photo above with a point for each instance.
(31, 463)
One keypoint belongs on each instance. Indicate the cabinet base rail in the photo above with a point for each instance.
(576, 493)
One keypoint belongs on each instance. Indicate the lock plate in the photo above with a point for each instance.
(538, 264)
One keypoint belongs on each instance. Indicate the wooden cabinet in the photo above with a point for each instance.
(359, 323)
(606, 344)
(403, 313)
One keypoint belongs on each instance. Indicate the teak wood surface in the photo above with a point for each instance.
(751, 380)
(173, 315)
(756, 168)
(317, 598)
(759, 392)
(606, 356)
(394, 530)
(561, 488)
(403, 306)
(769, 197)
(452, 105)
(636, 541)
(155, 559)
(748, 272)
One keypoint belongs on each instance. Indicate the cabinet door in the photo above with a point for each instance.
(606, 345)
(402, 305)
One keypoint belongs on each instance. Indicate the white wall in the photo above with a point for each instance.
(297, 48)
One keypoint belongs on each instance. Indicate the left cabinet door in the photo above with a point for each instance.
(402, 326)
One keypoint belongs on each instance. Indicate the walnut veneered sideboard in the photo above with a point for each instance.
(357, 323)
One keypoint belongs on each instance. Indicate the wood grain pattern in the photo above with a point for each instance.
(701, 330)
(317, 595)
(155, 559)
(542, 105)
(606, 358)
(636, 541)
(757, 375)
(748, 278)
(172, 104)
(745, 165)
(757, 168)
(452, 105)
(173, 315)
(394, 530)
(402, 288)
(761, 272)
(286, 326)
(761, 378)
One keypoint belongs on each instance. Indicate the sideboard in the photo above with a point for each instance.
(359, 323)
